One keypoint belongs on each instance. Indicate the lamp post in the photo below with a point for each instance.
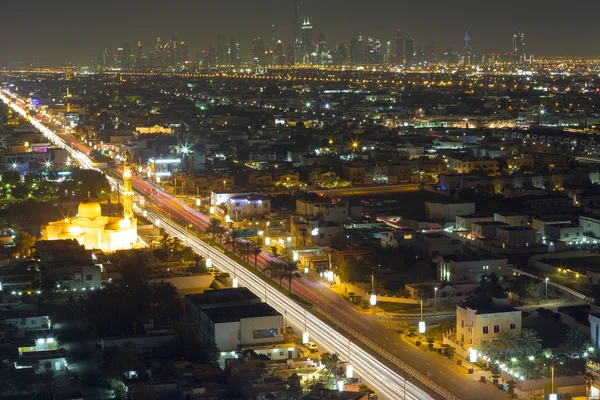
(435, 289)
(421, 322)
(547, 279)
(552, 396)
(373, 295)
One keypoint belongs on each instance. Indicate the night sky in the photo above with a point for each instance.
(76, 31)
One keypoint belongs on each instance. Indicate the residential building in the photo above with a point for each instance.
(436, 244)
(516, 237)
(464, 222)
(467, 165)
(565, 232)
(512, 218)
(447, 211)
(484, 319)
(398, 238)
(248, 206)
(486, 229)
(462, 267)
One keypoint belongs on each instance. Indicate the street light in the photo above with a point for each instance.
(373, 295)
(186, 233)
(547, 279)
(435, 289)
(421, 322)
(552, 395)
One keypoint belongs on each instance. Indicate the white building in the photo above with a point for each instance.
(234, 318)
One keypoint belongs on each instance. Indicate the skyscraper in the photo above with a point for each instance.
(221, 49)
(468, 49)
(258, 51)
(296, 28)
(399, 48)
(234, 53)
(518, 46)
(410, 52)
(307, 43)
(138, 59)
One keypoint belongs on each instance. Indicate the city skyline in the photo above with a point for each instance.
(75, 34)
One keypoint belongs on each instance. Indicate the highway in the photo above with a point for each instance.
(375, 354)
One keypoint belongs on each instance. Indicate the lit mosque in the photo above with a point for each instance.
(95, 231)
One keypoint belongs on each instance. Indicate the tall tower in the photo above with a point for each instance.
(467, 48)
(518, 49)
(296, 26)
(127, 189)
(399, 48)
(307, 42)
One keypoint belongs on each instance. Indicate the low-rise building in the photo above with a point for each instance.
(461, 267)
(512, 218)
(233, 318)
(464, 222)
(483, 319)
(486, 229)
(564, 232)
(447, 211)
(516, 237)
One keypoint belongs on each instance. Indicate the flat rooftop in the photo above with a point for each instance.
(223, 297)
(233, 314)
(485, 305)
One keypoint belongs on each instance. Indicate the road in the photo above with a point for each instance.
(376, 355)
(370, 190)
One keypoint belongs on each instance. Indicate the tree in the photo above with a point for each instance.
(232, 240)
(486, 348)
(244, 249)
(117, 361)
(273, 268)
(24, 242)
(175, 244)
(255, 251)
(164, 240)
(187, 254)
(445, 327)
(199, 266)
(47, 387)
(334, 368)
(165, 302)
(523, 286)
(576, 337)
(506, 341)
(289, 270)
(529, 343)
(353, 270)
(216, 230)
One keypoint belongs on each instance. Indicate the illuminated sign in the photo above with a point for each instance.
(165, 161)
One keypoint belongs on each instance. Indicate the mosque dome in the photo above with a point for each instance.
(89, 209)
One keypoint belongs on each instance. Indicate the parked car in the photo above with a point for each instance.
(311, 347)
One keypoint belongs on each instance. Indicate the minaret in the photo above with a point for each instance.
(127, 189)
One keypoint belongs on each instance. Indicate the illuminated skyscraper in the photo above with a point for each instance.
(258, 51)
(518, 46)
(410, 52)
(399, 48)
(468, 50)
(296, 28)
(138, 58)
(307, 42)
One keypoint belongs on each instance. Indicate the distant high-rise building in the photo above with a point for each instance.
(221, 49)
(258, 51)
(518, 46)
(234, 52)
(278, 57)
(158, 56)
(410, 52)
(273, 38)
(388, 51)
(296, 27)
(138, 58)
(183, 56)
(307, 42)
(211, 58)
(468, 49)
(399, 48)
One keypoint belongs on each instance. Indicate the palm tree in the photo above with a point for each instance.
(576, 337)
(506, 341)
(164, 240)
(199, 264)
(187, 254)
(289, 270)
(214, 225)
(334, 368)
(485, 347)
(175, 244)
(255, 250)
(243, 249)
(529, 343)
(232, 240)
(273, 268)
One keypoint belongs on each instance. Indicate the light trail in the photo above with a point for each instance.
(381, 378)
